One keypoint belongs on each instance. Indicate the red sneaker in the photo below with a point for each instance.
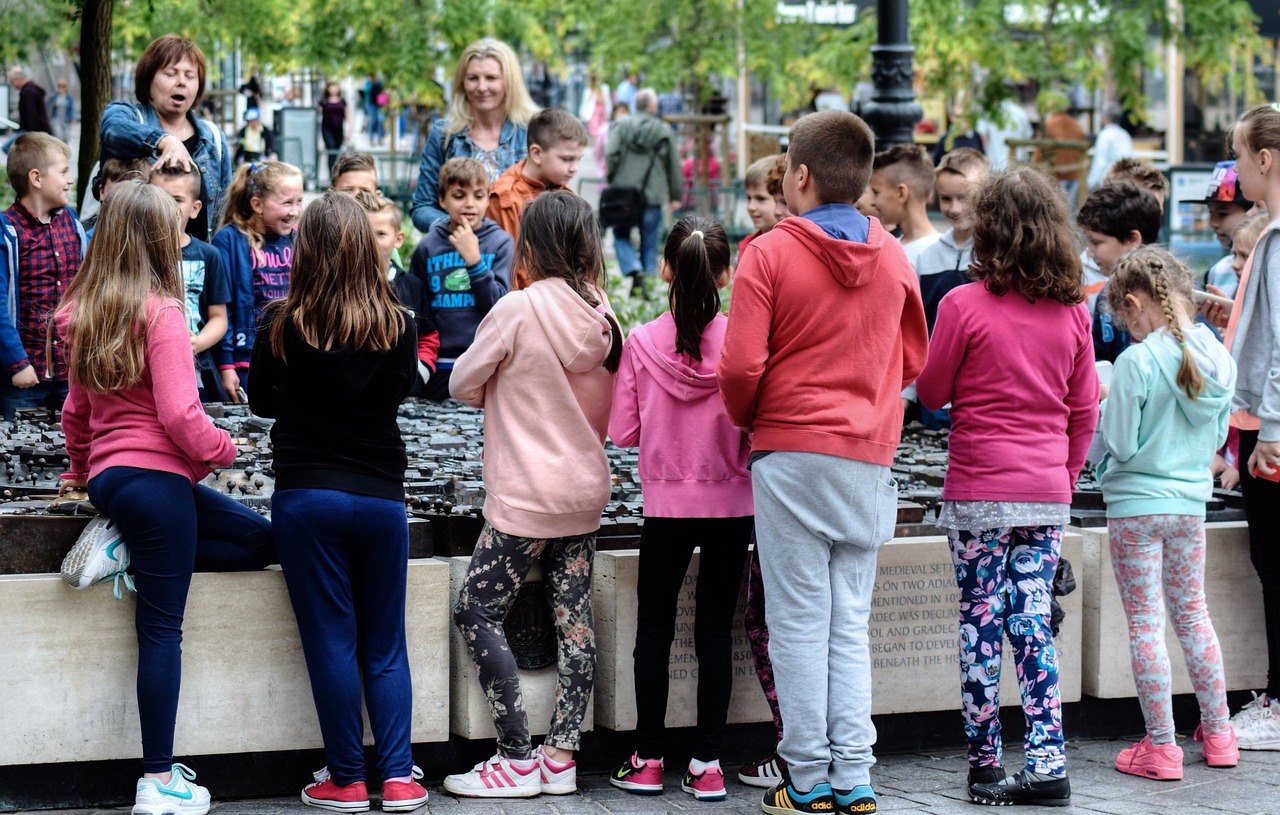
(325, 794)
(1219, 749)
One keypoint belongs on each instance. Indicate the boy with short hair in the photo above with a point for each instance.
(386, 220)
(557, 141)
(464, 262)
(827, 423)
(1143, 173)
(204, 278)
(113, 171)
(41, 246)
(765, 204)
(354, 172)
(1116, 219)
(945, 264)
(902, 184)
(1227, 209)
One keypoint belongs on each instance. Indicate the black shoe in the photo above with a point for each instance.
(985, 775)
(1024, 788)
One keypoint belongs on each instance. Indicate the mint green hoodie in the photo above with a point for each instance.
(1159, 441)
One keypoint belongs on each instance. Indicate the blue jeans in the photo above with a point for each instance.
(346, 559)
(173, 529)
(628, 263)
(50, 393)
(374, 114)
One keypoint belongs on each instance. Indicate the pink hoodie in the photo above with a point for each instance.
(157, 424)
(693, 461)
(536, 367)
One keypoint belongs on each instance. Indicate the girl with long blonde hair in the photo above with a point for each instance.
(139, 439)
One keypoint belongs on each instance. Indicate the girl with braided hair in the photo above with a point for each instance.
(1164, 418)
(542, 366)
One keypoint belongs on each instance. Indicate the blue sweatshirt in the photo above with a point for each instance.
(1159, 441)
(458, 295)
(256, 279)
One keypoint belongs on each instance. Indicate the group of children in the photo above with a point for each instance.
(760, 423)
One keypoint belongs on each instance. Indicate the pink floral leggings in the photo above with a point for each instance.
(1166, 552)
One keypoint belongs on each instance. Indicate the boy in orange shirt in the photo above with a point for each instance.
(557, 141)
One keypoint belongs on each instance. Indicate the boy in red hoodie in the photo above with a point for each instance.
(825, 328)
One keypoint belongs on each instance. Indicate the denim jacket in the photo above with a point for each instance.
(130, 130)
(513, 145)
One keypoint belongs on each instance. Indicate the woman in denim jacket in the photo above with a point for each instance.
(169, 83)
(488, 121)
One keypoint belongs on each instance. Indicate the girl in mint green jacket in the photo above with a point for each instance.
(1163, 420)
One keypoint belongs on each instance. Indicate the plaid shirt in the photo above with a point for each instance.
(48, 257)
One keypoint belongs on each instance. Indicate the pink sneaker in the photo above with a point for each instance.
(639, 775)
(1163, 762)
(325, 794)
(705, 786)
(1219, 749)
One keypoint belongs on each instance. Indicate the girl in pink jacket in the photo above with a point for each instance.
(542, 366)
(697, 492)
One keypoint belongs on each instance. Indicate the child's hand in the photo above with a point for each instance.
(195, 343)
(1103, 390)
(1230, 478)
(231, 382)
(1265, 458)
(1217, 314)
(26, 378)
(465, 241)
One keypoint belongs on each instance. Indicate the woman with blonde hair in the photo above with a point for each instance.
(488, 120)
(139, 439)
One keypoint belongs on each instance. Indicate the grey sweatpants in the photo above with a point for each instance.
(819, 521)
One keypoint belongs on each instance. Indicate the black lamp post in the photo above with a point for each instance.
(892, 112)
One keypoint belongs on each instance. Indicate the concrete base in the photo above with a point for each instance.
(1235, 606)
(469, 715)
(67, 680)
(913, 632)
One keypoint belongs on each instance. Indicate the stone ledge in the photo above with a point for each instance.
(67, 684)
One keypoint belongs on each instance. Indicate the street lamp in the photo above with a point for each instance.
(892, 112)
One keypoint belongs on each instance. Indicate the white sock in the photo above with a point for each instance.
(699, 767)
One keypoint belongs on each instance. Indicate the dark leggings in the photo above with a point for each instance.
(1262, 509)
(758, 635)
(173, 529)
(666, 547)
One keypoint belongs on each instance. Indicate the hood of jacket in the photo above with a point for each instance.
(577, 332)
(1215, 366)
(681, 376)
(851, 263)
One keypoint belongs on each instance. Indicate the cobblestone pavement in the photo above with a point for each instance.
(909, 784)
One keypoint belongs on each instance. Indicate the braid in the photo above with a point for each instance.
(1189, 376)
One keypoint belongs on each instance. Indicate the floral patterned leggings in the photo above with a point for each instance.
(758, 636)
(497, 570)
(1005, 577)
(1164, 554)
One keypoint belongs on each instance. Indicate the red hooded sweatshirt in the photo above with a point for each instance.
(823, 335)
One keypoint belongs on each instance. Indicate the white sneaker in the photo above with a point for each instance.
(178, 797)
(1260, 730)
(496, 778)
(100, 554)
(1251, 710)
(556, 782)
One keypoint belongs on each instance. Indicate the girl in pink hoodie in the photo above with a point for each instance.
(542, 366)
(697, 492)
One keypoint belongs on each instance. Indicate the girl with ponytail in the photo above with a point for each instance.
(697, 493)
(1165, 416)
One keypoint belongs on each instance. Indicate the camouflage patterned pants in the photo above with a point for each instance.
(498, 568)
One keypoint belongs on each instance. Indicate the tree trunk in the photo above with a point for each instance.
(95, 83)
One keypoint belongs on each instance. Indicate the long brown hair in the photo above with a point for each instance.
(134, 253)
(338, 295)
(697, 253)
(1023, 240)
(1154, 272)
(559, 237)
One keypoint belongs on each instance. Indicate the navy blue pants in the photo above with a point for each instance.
(173, 529)
(345, 559)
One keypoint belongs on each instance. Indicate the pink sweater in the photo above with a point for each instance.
(536, 367)
(693, 461)
(1023, 393)
(155, 425)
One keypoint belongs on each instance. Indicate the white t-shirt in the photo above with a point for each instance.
(915, 247)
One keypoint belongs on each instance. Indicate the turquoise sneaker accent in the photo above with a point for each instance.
(785, 799)
(858, 801)
(178, 797)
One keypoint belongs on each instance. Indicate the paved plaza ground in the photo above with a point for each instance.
(908, 784)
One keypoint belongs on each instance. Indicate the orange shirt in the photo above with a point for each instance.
(508, 197)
